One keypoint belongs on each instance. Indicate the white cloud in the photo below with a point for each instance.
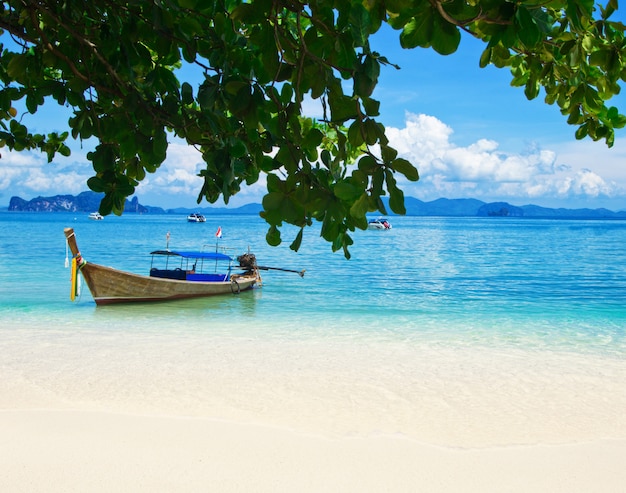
(28, 174)
(482, 171)
(178, 175)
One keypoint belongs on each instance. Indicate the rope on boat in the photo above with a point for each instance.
(233, 282)
(80, 261)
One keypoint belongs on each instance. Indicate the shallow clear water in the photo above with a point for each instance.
(558, 284)
(431, 328)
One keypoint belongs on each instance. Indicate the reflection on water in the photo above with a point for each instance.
(243, 303)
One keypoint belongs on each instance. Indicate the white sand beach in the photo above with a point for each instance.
(65, 451)
(100, 412)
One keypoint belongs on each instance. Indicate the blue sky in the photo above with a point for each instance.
(470, 134)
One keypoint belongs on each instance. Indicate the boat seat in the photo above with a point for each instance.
(207, 277)
(178, 274)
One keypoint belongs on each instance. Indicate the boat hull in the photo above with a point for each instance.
(108, 286)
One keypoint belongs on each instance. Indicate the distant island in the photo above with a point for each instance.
(473, 208)
(83, 202)
(90, 201)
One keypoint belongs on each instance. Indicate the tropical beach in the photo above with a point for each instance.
(497, 371)
(437, 350)
(287, 425)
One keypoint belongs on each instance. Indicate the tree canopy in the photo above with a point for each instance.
(118, 66)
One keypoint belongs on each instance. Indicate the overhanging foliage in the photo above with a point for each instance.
(117, 64)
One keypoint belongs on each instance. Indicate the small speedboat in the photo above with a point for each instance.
(96, 216)
(196, 218)
(380, 223)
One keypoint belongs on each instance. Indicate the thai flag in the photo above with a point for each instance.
(219, 232)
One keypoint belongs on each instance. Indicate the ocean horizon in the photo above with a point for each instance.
(459, 332)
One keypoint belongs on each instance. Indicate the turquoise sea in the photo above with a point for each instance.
(432, 329)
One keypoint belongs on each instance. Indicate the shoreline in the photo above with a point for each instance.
(451, 397)
(62, 450)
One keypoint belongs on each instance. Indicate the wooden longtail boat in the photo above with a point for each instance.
(187, 280)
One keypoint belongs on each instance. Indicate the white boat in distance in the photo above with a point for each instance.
(196, 218)
(380, 223)
(96, 216)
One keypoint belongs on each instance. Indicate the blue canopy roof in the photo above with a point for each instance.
(194, 255)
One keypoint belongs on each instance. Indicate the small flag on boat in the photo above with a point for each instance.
(219, 232)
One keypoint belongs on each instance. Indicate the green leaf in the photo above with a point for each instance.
(396, 196)
(64, 150)
(273, 236)
(96, 184)
(313, 138)
(419, 30)
(33, 101)
(372, 107)
(531, 90)
(368, 165)
(372, 131)
(159, 145)
(344, 52)
(446, 37)
(355, 134)
(16, 68)
(207, 94)
(273, 201)
(527, 28)
(286, 157)
(346, 190)
(295, 245)
(406, 168)
(485, 58)
(187, 93)
(359, 24)
(342, 108)
(18, 130)
(581, 132)
(366, 77)
(388, 153)
(360, 207)
(188, 4)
